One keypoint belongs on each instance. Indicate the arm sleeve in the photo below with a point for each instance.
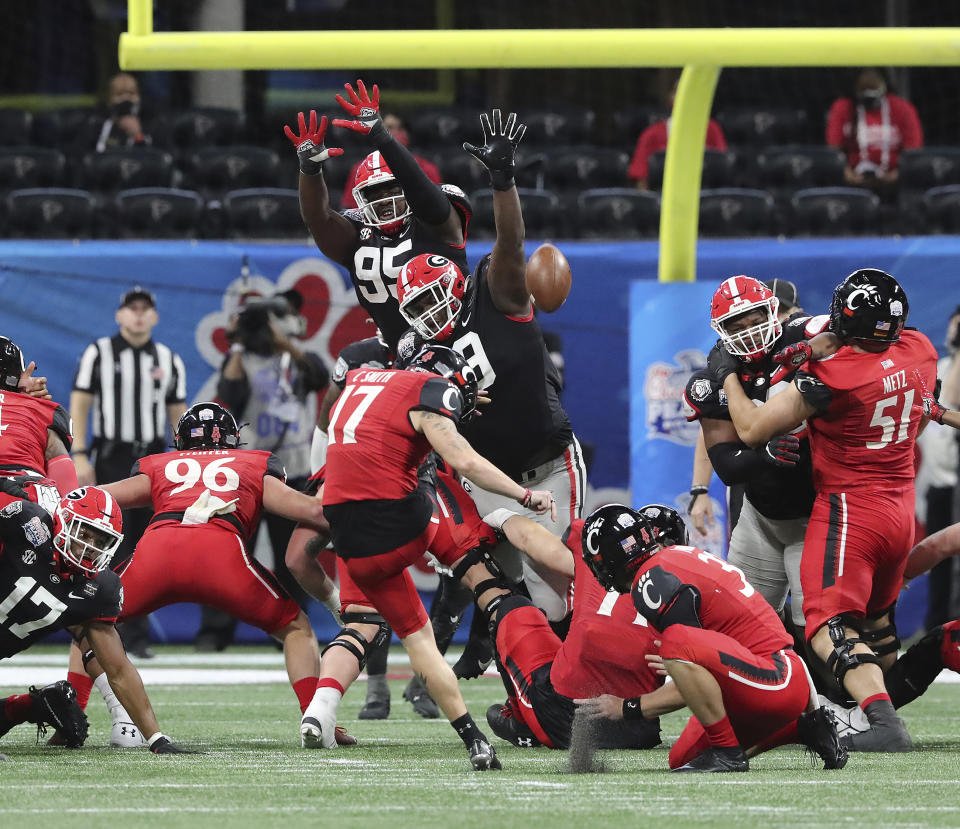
(275, 468)
(427, 201)
(88, 374)
(734, 462)
(814, 391)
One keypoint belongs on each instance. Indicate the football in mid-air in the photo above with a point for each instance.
(548, 277)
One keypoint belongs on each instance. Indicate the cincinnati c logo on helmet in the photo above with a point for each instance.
(592, 534)
(864, 295)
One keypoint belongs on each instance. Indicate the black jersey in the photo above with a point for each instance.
(380, 256)
(524, 425)
(776, 492)
(369, 353)
(36, 597)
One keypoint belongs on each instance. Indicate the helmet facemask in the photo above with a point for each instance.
(752, 343)
(87, 534)
(432, 310)
(387, 212)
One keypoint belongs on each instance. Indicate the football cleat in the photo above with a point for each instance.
(342, 738)
(718, 759)
(887, 737)
(125, 734)
(375, 708)
(483, 756)
(417, 694)
(475, 659)
(56, 705)
(850, 720)
(817, 730)
(504, 723)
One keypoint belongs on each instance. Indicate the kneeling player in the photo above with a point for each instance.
(723, 646)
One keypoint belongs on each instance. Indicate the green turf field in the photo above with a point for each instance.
(413, 772)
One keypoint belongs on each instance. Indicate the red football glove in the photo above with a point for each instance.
(929, 406)
(309, 143)
(364, 109)
(789, 359)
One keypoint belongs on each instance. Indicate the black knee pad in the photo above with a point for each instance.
(359, 650)
(383, 628)
(888, 631)
(843, 659)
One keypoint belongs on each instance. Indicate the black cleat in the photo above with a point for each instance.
(483, 757)
(718, 759)
(889, 737)
(56, 705)
(504, 723)
(475, 659)
(817, 730)
(375, 708)
(423, 703)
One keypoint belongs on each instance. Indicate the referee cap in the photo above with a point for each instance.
(785, 291)
(136, 293)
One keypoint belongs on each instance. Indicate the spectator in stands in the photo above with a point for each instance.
(872, 127)
(122, 126)
(654, 140)
(394, 125)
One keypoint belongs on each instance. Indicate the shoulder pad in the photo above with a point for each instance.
(653, 593)
(440, 396)
(817, 325)
(704, 397)
(459, 201)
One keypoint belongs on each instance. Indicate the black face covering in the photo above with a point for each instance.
(121, 108)
(870, 98)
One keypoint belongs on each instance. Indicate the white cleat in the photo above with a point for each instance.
(849, 720)
(126, 735)
(318, 727)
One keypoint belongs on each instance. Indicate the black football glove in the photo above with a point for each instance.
(500, 142)
(311, 150)
(783, 450)
(721, 363)
(164, 745)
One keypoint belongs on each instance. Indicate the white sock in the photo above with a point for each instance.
(324, 700)
(117, 711)
(318, 450)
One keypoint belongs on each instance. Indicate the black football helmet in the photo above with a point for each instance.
(11, 364)
(438, 359)
(616, 540)
(206, 426)
(869, 306)
(668, 526)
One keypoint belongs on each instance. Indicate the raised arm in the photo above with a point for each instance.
(335, 236)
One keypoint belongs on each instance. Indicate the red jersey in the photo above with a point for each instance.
(874, 135)
(654, 140)
(374, 451)
(177, 479)
(685, 585)
(865, 431)
(24, 421)
(604, 650)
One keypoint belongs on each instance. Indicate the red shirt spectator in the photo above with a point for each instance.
(654, 140)
(872, 128)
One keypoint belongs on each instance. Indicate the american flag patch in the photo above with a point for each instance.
(883, 326)
(886, 363)
(196, 432)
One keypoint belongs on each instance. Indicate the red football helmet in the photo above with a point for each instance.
(389, 213)
(430, 289)
(88, 528)
(735, 297)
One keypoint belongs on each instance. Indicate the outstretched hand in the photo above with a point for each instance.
(365, 109)
(311, 150)
(499, 148)
(789, 359)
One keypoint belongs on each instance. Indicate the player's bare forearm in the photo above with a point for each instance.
(334, 235)
(123, 677)
(454, 449)
(933, 549)
(540, 544)
(131, 492)
(281, 499)
(55, 446)
(506, 275)
(824, 344)
(756, 425)
(664, 700)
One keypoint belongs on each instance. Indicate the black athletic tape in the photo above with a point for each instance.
(87, 656)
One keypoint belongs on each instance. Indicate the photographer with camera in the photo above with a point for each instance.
(268, 382)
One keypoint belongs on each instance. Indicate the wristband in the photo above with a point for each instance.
(698, 490)
(236, 348)
(526, 498)
(79, 451)
(154, 738)
(632, 709)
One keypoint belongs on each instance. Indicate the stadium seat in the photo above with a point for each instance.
(61, 128)
(114, 170)
(748, 126)
(263, 213)
(929, 167)
(444, 127)
(15, 127)
(214, 170)
(50, 213)
(718, 167)
(22, 167)
(835, 211)
(157, 213)
(618, 213)
(541, 214)
(194, 129)
(585, 167)
(796, 167)
(941, 207)
(458, 167)
(736, 211)
(561, 124)
(629, 122)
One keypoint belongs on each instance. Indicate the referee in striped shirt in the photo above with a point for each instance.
(137, 391)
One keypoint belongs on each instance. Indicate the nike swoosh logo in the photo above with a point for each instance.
(73, 595)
